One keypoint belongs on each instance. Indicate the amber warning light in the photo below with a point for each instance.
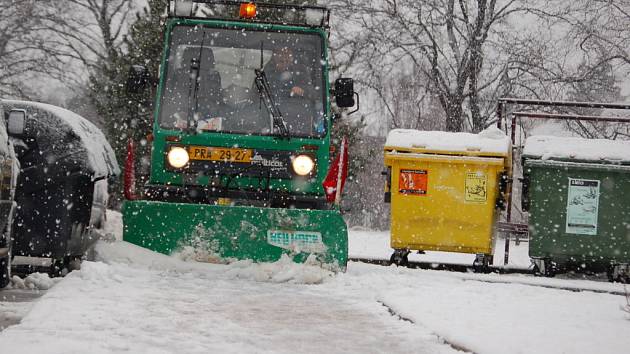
(248, 10)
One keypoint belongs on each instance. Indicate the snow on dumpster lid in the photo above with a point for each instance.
(491, 140)
(550, 147)
(100, 155)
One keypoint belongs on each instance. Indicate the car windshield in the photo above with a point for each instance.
(226, 98)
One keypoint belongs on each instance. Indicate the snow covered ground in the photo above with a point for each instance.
(133, 300)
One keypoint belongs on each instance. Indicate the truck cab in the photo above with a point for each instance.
(243, 107)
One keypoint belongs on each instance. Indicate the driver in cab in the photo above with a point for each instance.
(286, 77)
(293, 89)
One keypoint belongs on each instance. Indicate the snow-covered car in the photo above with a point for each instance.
(65, 163)
(8, 176)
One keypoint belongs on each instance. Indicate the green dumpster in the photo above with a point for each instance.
(577, 192)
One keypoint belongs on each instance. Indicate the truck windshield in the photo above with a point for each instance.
(226, 98)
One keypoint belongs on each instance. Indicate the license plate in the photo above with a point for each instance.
(219, 154)
(298, 241)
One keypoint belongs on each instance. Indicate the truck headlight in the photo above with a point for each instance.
(177, 157)
(303, 165)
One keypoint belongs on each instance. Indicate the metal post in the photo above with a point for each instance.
(506, 254)
(499, 114)
(510, 182)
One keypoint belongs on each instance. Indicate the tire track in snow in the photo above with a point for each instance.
(442, 339)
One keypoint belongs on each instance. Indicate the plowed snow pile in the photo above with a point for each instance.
(35, 281)
(282, 271)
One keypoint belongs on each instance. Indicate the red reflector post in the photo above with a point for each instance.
(337, 174)
(248, 10)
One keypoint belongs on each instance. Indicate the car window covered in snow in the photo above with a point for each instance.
(226, 98)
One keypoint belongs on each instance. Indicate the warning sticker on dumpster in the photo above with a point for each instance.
(476, 187)
(298, 241)
(413, 182)
(582, 206)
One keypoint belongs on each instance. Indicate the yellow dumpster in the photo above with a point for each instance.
(445, 189)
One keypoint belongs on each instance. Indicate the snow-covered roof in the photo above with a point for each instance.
(491, 140)
(99, 155)
(550, 147)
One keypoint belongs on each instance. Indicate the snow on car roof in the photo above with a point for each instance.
(100, 155)
(491, 140)
(550, 147)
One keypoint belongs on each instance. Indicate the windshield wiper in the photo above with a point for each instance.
(195, 70)
(262, 84)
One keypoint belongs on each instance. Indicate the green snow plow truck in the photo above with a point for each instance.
(241, 154)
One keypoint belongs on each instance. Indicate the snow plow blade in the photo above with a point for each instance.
(226, 233)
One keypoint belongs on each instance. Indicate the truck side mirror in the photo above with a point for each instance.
(16, 122)
(344, 93)
(137, 79)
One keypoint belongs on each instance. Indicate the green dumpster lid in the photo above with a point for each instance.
(577, 149)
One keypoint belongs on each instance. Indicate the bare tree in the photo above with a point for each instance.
(600, 29)
(20, 46)
(445, 41)
(73, 41)
(410, 103)
(579, 52)
(467, 53)
(85, 36)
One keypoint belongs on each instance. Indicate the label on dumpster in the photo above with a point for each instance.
(476, 187)
(297, 241)
(413, 182)
(582, 206)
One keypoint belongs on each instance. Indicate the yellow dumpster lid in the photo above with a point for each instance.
(490, 142)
